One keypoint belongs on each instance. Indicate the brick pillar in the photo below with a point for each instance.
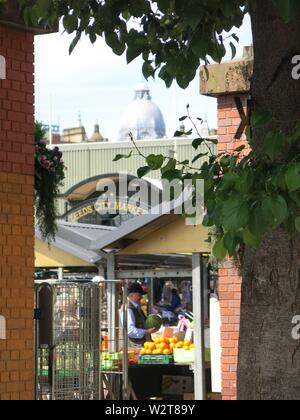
(16, 214)
(226, 81)
(229, 279)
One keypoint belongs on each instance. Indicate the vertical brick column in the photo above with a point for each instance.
(227, 80)
(229, 279)
(16, 214)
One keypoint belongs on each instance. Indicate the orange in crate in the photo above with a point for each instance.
(104, 342)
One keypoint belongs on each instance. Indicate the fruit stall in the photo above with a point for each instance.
(174, 364)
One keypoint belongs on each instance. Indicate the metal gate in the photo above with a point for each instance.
(67, 341)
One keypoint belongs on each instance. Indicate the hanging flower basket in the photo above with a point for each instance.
(49, 176)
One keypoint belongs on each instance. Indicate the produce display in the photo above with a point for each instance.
(165, 346)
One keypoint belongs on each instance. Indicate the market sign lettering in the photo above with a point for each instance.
(2, 68)
(112, 207)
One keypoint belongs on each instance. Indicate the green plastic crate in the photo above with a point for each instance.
(161, 359)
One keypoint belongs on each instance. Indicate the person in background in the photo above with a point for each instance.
(175, 302)
(137, 332)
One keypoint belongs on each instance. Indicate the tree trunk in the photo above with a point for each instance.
(269, 359)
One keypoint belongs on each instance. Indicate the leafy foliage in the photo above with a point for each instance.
(49, 174)
(244, 195)
(172, 36)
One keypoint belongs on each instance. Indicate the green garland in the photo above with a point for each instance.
(49, 175)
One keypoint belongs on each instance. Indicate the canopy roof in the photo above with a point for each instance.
(152, 240)
(54, 257)
(173, 237)
(72, 241)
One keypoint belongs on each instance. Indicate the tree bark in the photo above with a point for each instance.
(269, 357)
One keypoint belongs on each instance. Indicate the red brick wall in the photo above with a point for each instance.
(229, 279)
(16, 214)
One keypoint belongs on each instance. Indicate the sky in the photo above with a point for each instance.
(98, 85)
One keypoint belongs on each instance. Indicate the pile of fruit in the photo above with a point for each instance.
(166, 346)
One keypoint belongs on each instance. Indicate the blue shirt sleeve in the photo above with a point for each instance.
(133, 332)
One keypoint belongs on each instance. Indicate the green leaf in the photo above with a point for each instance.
(225, 161)
(141, 172)
(248, 133)
(287, 8)
(231, 243)
(172, 174)
(295, 136)
(251, 240)
(136, 44)
(235, 214)
(233, 50)
(201, 155)
(273, 144)
(219, 250)
(197, 143)
(292, 177)
(295, 196)
(236, 38)
(155, 161)
(74, 42)
(114, 43)
(179, 134)
(182, 119)
(70, 23)
(35, 15)
(228, 181)
(275, 210)
(93, 37)
(120, 157)
(170, 166)
(257, 222)
(260, 119)
(147, 70)
(184, 162)
(240, 149)
(44, 6)
(297, 224)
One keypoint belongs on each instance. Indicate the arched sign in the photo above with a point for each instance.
(116, 206)
(110, 199)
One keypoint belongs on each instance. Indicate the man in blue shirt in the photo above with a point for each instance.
(137, 332)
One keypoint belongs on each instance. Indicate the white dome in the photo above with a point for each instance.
(142, 117)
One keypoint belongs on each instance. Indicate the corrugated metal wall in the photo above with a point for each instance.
(84, 161)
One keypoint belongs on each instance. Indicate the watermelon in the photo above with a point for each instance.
(153, 321)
